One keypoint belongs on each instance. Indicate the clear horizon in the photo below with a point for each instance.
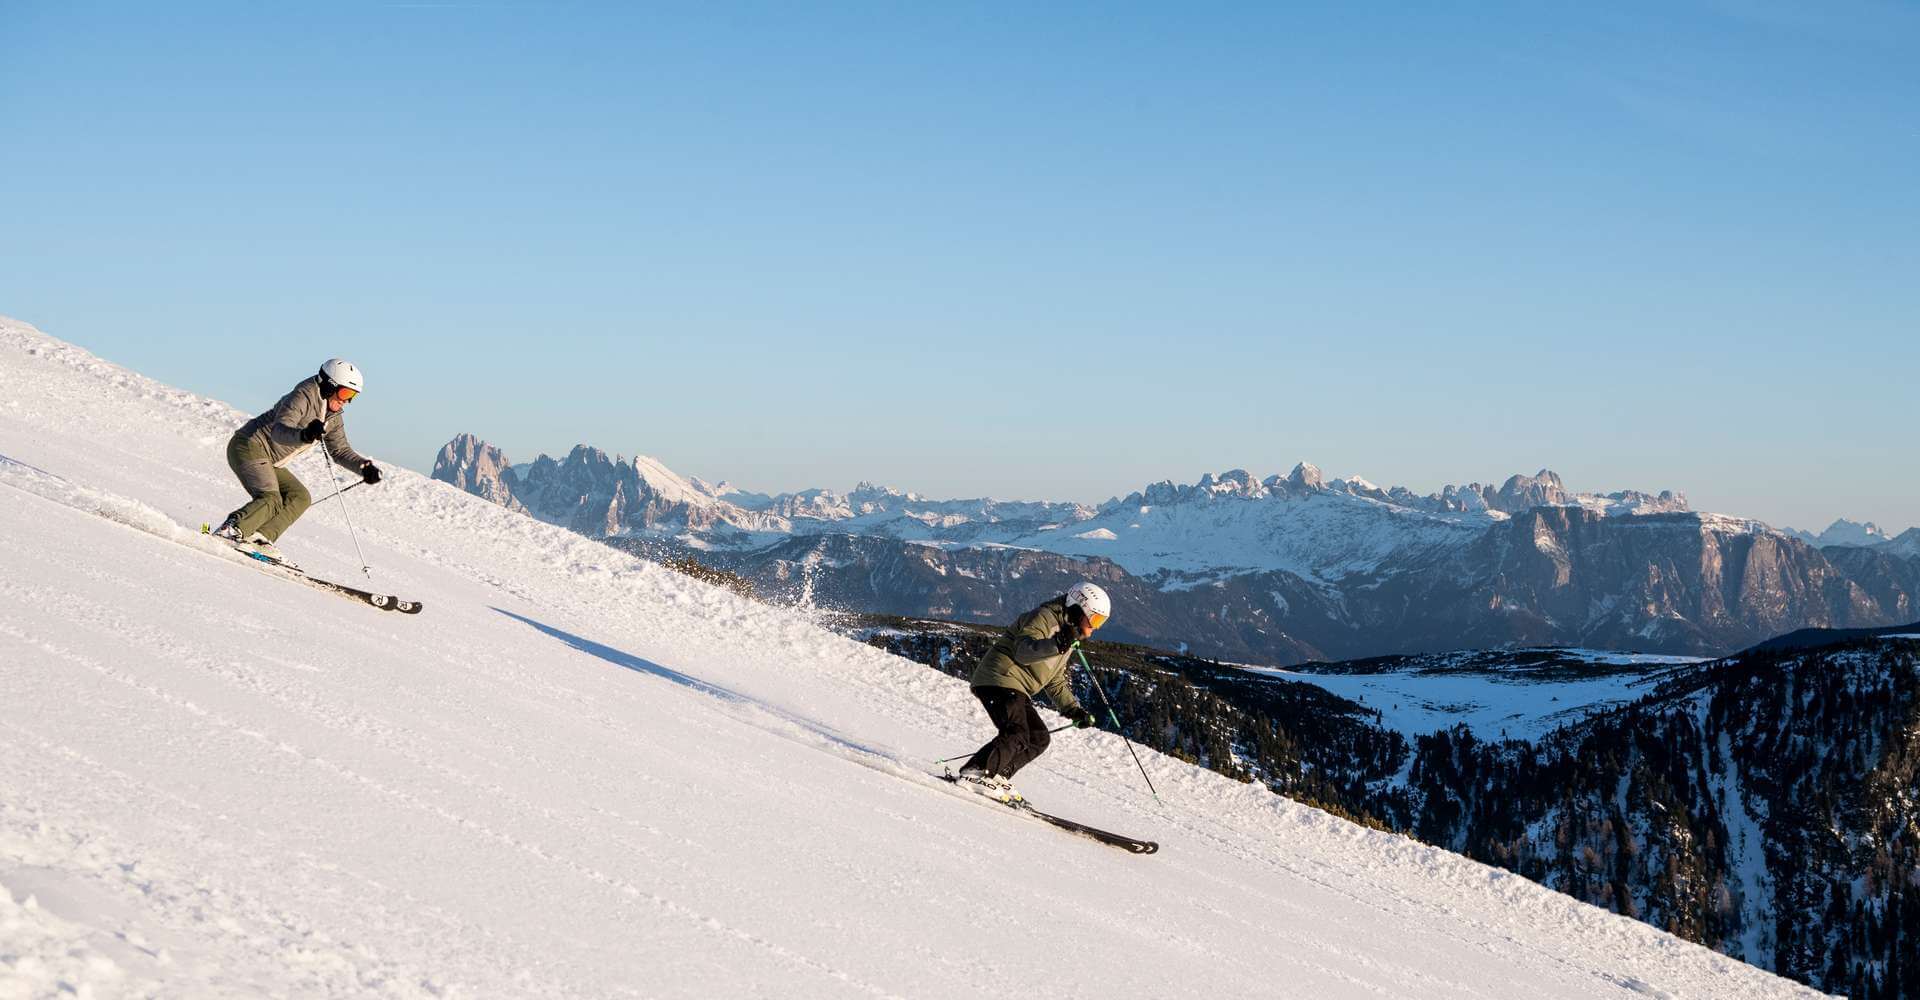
(1054, 254)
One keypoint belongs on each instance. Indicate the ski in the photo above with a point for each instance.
(1107, 837)
(385, 602)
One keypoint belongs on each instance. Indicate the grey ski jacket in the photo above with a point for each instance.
(278, 430)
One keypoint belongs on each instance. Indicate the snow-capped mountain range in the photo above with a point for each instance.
(1223, 525)
(1277, 569)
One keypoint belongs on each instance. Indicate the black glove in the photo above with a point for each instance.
(312, 432)
(1066, 637)
(369, 474)
(1080, 717)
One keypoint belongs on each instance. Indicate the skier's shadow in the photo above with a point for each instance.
(638, 665)
(630, 661)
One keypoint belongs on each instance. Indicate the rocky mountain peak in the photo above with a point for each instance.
(1233, 482)
(873, 496)
(1306, 477)
(1522, 493)
(586, 457)
(477, 467)
(666, 485)
(1845, 532)
(460, 455)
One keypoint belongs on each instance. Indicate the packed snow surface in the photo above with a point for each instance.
(580, 775)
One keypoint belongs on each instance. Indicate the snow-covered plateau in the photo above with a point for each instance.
(578, 774)
(1442, 691)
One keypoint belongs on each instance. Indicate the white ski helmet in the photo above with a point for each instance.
(340, 372)
(1091, 600)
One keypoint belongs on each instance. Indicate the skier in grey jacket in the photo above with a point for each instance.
(260, 450)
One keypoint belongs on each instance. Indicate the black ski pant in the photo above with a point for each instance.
(1022, 733)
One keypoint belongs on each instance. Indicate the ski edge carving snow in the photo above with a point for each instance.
(384, 602)
(1132, 845)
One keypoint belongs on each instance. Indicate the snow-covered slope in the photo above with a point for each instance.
(580, 775)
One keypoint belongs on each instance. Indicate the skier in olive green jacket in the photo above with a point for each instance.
(259, 452)
(1031, 658)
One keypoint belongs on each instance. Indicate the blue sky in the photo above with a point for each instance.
(1030, 251)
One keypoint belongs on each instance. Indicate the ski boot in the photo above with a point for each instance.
(992, 786)
(259, 547)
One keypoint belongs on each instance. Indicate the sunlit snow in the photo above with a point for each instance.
(580, 775)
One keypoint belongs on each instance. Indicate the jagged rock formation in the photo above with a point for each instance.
(1685, 582)
(479, 468)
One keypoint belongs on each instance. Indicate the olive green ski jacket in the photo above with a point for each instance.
(278, 429)
(1026, 658)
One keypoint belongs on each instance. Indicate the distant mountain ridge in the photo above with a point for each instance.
(1279, 570)
(1845, 532)
(599, 494)
(1147, 532)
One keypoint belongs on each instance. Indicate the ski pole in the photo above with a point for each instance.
(334, 474)
(330, 496)
(949, 760)
(1095, 681)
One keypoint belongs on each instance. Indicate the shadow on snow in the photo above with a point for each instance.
(620, 658)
